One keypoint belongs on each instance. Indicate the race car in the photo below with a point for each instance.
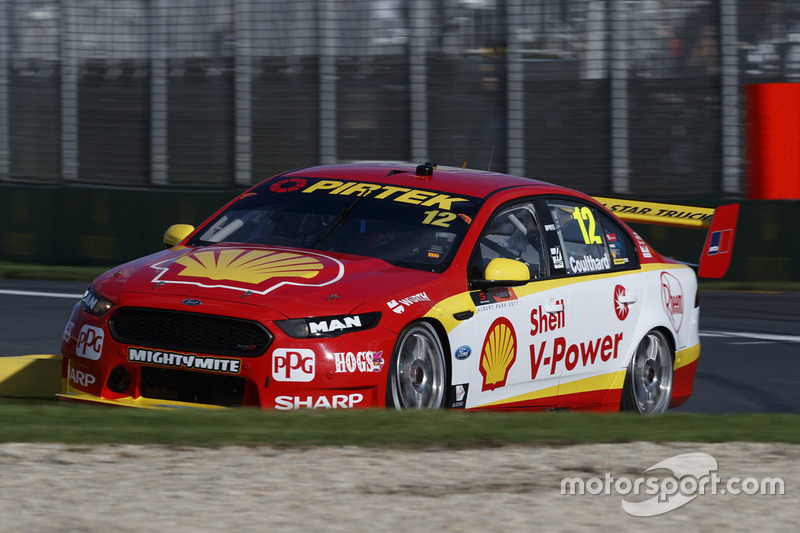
(402, 286)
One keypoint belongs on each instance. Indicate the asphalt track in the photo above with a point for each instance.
(749, 363)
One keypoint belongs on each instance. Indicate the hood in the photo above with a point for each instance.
(296, 283)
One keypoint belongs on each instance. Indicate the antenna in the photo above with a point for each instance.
(491, 156)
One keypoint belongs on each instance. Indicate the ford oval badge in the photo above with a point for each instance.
(191, 301)
(463, 352)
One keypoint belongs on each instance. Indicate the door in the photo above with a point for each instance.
(606, 288)
(514, 327)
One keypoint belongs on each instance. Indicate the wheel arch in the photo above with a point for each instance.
(670, 336)
(627, 393)
(441, 333)
(444, 338)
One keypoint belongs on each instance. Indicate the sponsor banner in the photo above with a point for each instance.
(68, 331)
(572, 356)
(458, 395)
(399, 305)
(643, 247)
(558, 259)
(293, 364)
(184, 361)
(333, 325)
(345, 400)
(380, 192)
(657, 213)
(494, 298)
(672, 299)
(350, 362)
(90, 342)
(543, 321)
(78, 377)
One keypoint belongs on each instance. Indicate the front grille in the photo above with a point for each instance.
(189, 332)
(192, 387)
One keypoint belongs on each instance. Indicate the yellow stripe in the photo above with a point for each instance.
(612, 380)
(687, 356)
(127, 401)
(443, 310)
(682, 216)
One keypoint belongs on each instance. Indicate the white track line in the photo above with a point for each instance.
(45, 294)
(750, 335)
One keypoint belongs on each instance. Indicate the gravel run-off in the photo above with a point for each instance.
(132, 488)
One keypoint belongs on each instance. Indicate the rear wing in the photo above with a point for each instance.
(720, 223)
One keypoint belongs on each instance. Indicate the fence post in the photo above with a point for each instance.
(328, 48)
(243, 102)
(5, 119)
(159, 33)
(731, 98)
(515, 87)
(620, 156)
(69, 91)
(418, 82)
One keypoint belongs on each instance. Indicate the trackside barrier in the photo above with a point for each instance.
(82, 225)
(77, 225)
(30, 376)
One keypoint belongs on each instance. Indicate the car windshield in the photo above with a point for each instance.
(405, 226)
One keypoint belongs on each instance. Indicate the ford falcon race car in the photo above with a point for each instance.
(393, 285)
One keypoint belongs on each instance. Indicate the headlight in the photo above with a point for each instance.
(328, 326)
(93, 303)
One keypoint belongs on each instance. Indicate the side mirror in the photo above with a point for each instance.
(502, 272)
(176, 233)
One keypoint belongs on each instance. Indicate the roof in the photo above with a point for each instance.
(476, 183)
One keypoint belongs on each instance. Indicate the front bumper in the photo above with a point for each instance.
(347, 371)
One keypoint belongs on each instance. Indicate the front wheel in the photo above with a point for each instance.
(648, 384)
(418, 372)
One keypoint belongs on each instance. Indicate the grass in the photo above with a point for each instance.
(81, 424)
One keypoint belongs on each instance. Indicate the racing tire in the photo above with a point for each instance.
(648, 382)
(418, 371)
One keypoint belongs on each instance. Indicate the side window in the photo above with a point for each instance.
(513, 233)
(591, 241)
(620, 246)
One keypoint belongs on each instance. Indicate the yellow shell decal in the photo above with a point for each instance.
(498, 354)
(256, 270)
(248, 267)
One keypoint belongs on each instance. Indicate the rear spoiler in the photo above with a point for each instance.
(720, 223)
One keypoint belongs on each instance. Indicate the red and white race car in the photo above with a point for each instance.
(382, 284)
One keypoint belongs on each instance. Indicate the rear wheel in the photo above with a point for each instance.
(418, 372)
(648, 384)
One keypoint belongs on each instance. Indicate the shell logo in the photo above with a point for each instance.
(249, 267)
(258, 271)
(498, 354)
